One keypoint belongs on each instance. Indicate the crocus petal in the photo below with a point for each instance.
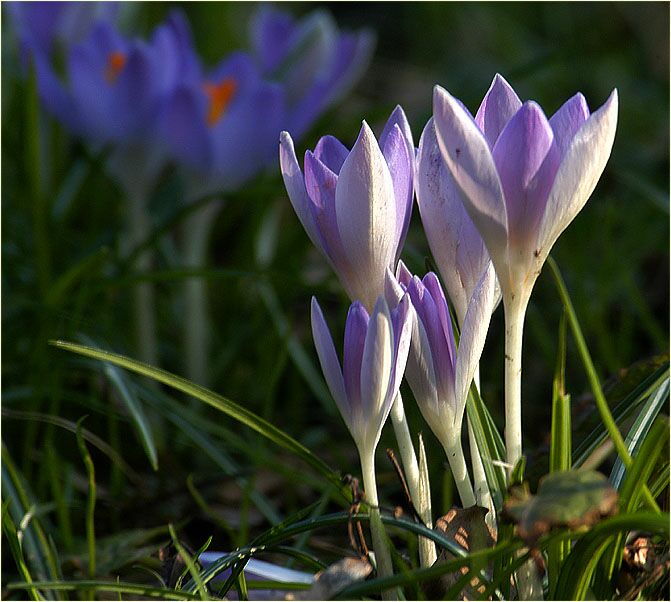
(497, 108)
(376, 366)
(366, 214)
(355, 337)
(295, 185)
(568, 120)
(401, 168)
(329, 361)
(398, 118)
(527, 160)
(456, 245)
(271, 33)
(469, 159)
(473, 335)
(403, 274)
(580, 169)
(402, 317)
(331, 152)
(393, 291)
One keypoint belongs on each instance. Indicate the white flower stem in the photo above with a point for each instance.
(427, 548)
(455, 456)
(482, 493)
(382, 555)
(196, 231)
(514, 309)
(143, 292)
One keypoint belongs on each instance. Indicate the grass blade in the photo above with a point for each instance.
(160, 593)
(90, 501)
(219, 402)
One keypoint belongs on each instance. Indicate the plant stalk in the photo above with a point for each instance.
(382, 555)
(455, 456)
(427, 548)
(196, 229)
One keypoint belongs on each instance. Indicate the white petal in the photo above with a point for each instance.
(473, 336)
(328, 359)
(366, 215)
(470, 162)
(578, 174)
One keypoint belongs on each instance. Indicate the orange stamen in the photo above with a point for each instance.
(116, 61)
(220, 96)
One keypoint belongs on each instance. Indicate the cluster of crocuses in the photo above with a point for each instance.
(494, 192)
(150, 104)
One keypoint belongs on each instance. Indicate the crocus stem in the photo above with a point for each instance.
(196, 230)
(382, 555)
(455, 456)
(427, 548)
(514, 310)
(145, 309)
(482, 493)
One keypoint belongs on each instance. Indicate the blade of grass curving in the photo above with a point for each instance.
(90, 500)
(190, 564)
(160, 593)
(635, 479)
(578, 569)
(11, 536)
(621, 412)
(75, 275)
(656, 401)
(219, 402)
(35, 547)
(310, 561)
(138, 419)
(592, 377)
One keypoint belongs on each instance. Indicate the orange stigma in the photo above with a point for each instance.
(116, 61)
(220, 96)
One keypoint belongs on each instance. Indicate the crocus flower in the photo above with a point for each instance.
(355, 205)
(439, 372)
(115, 85)
(314, 62)
(523, 177)
(223, 125)
(41, 25)
(374, 357)
(456, 245)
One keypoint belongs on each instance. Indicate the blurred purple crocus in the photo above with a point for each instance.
(114, 85)
(40, 26)
(355, 205)
(314, 62)
(374, 357)
(439, 372)
(456, 245)
(523, 177)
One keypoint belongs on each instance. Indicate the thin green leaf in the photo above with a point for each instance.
(222, 404)
(11, 535)
(190, 564)
(90, 500)
(83, 586)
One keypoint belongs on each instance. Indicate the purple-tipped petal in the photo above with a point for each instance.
(366, 215)
(456, 245)
(329, 361)
(376, 367)
(497, 108)
(295, 185)
(403, 274)
(402, 318)
(271, 34)
(398, 118)
(568, 120)
(469, 159)
(473, 335)
(331, 152)
(355, 338)
(432, 285)
(578, 174)
(393, 291)
(527, 160)
(401, 167)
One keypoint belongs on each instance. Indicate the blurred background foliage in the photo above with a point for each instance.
(71, 280)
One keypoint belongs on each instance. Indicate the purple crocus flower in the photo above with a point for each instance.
(375, 353)
(439, 373)
(223, 125)
(523, 177)
(355, 205)
(41, 25)
(456, 245)
(114, 85)
(314, 61)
